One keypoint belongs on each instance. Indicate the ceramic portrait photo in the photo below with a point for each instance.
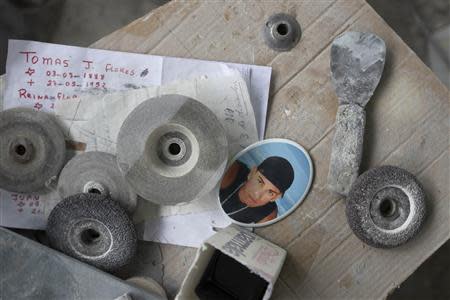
(265, 182)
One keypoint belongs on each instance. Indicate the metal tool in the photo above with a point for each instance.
(357, 62)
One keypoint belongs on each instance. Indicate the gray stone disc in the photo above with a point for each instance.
(93, 228)
(96, 172)
(32, 150)
(172, 149)
(281, 32)
(386, 207)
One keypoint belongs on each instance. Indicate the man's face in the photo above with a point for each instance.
(258, 190)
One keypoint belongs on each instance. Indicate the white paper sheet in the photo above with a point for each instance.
(188, 224)
(41, 74)
(184, 230)
(96, 119)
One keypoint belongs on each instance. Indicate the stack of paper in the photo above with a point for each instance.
(92, 92)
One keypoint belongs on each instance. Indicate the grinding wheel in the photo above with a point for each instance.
(93, 228)
(32, 150)
(386, 207)
(172, 149)
(96, 172)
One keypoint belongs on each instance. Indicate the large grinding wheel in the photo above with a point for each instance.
(93, 228)
(32, 150)
(172, 149)
(386, 207)
(96, 172)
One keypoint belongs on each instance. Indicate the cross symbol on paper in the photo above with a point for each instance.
(38, 106)
(30, 71)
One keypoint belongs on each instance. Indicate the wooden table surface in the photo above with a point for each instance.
(407, 126)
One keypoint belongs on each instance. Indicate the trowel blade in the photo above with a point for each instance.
(357, 62)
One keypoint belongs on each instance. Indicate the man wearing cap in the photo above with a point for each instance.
(249, 195)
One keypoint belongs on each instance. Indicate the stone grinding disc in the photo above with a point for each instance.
(386, 207)
(32, 150)
(93, 228)
(172, 149)
(96, 172)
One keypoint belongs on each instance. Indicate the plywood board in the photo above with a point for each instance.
(407, 126)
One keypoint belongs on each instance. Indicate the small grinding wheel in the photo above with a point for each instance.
(32, 150)
(386, 207)
(172, 149)
(93, 228)
(281, 32)
(96, 172)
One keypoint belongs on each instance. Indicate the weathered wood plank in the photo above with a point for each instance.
(282, 291)
(309, 102)
(407, 126)
(176, 262)
(145, 33)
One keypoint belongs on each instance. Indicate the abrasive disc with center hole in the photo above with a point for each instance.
(93, 228)
(172, 149)
(96, 172)
(386, 207)
(32, 150)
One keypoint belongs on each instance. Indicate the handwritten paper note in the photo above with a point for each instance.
(39, 75)
(96, 119)
(22, 210)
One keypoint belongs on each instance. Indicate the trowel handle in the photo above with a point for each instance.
(347, 148)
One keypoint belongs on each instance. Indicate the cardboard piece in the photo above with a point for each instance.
(262, 257)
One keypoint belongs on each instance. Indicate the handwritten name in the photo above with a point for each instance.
(24, 94)
(123, 70)
(33, 58)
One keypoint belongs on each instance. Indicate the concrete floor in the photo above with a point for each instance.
(423, 25)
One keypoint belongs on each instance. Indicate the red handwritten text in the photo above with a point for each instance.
(33, 58)
(111, 68)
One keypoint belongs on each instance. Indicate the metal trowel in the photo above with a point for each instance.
(357, 62)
